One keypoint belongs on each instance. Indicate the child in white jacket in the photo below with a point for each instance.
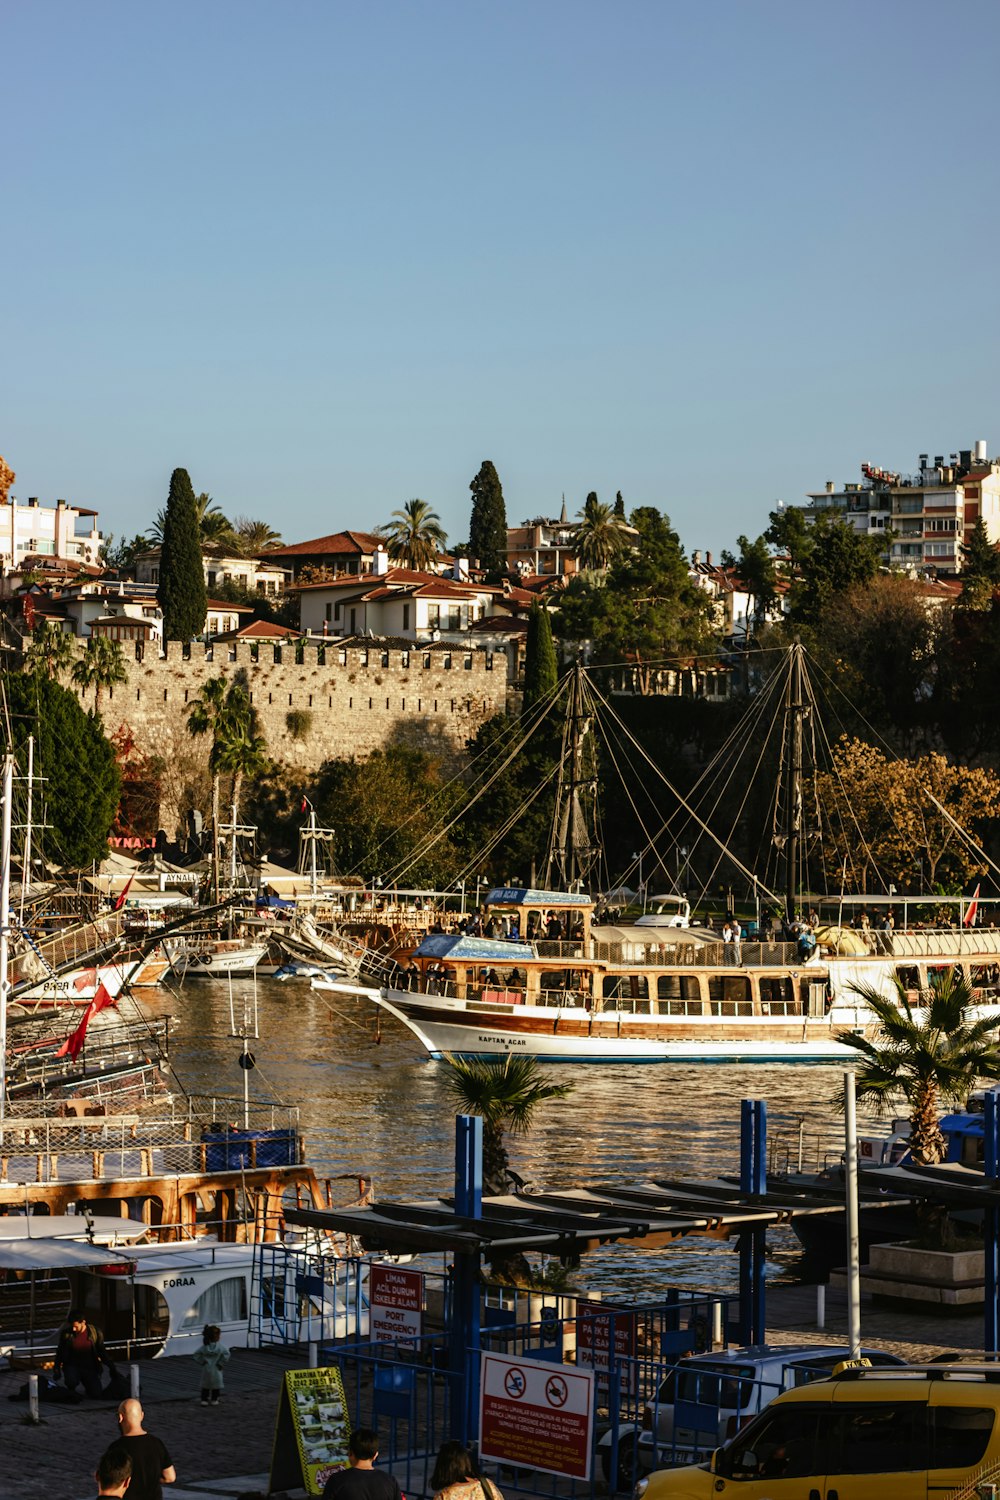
(211, 1356)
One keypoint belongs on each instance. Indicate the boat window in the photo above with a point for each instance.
(777, 996)
(626, 987)
(973, 1151)
(730, 994)
(678, 987)
(552, 979)
(908, 976)
(225, 1302)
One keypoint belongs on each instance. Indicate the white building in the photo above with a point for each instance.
(256, 574)
(28, 529)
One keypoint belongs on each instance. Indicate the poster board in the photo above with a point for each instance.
(311, 1430)
(536, 1415)
(395, 1305)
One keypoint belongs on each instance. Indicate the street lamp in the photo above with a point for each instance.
(461, 886)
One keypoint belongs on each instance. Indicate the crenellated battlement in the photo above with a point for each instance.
(314, 701)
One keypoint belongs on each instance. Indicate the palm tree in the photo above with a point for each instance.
(507, 1092)
(927, 1053)
(255, 536)
(242, 748)
(213, 526)
(101, 666)
(599, 535)
(414, 535)
(52, 650)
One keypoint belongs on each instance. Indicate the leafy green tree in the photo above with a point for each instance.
(645, 609)
(924, 1052)
(101, 666)
(414, 535)
(755, 569)
(599, 536)
(980, 568)
(540, 670)
(120, 556)
(878, 641)
(507, 1092)
(791, 533)
(386, 809)
(82, 785)
(52, 650)
(488, 524)
(839, 558)
(181, 591)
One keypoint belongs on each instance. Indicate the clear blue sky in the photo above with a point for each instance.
(328, 257)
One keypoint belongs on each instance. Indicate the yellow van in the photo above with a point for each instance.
(917, 1433)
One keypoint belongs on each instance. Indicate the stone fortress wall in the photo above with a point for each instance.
(315, 702)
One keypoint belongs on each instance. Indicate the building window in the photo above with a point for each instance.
(328, 613)
(406, 617)
(336, 612)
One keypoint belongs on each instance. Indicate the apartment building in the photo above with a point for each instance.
(30, 529)
(929, 512)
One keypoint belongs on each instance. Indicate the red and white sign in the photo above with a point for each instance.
(536, 1415)
(395, 1304)
(594, 1332)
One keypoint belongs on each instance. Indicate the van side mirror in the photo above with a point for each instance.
(713, 1462)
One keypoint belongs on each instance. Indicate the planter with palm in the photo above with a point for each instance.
(927, 1053)
(507, 1092)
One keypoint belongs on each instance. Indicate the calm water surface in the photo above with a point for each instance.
(383, 1109)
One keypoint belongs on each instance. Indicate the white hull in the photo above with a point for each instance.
(76, 988)
(211, 960)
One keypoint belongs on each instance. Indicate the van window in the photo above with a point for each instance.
(729, 1386)
(959, 1435)
(881, 1439)
(788, 1442)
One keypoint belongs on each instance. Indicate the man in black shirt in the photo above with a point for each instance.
(360, 1481)
(151, 1465)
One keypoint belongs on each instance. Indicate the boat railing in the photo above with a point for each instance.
(39, 953)
(50, 1149)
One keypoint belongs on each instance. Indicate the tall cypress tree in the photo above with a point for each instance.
(181, 592)
(540, 670)
(488, 526)
(619, 507)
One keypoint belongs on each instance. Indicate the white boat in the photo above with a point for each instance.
(212, 958)
(635, 994)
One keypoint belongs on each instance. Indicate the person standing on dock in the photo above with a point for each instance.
(360, 1481)
(151, 1465)
(212, 1355)
(114, 1473)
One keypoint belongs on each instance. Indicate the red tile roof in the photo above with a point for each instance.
(352, 543)
(232, 609)
(260, 630)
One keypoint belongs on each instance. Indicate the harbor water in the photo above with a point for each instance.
(373, 1103)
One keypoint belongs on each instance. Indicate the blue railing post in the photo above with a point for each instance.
(991, 1222)
(463, 1332)
(753, 1182)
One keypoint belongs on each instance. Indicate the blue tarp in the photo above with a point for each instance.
(522, 895)
(458, 945)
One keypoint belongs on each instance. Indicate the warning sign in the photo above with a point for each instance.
(395, 1302)
(536, 1415)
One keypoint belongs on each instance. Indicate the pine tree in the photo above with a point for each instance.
(488, 526)
(540, 670)
(980, 567)
(181, 593)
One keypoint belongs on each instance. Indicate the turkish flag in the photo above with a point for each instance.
(121, 899)
(85, 979)
(73, 1044)
(970, 915)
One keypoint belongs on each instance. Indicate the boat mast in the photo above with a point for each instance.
(573, 849)
(794, 714)
(8, 789)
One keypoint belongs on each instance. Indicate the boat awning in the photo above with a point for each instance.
(57, 1255)
(458, 946)
(523, 895)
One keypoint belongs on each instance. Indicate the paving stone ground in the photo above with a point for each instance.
(210, 1448)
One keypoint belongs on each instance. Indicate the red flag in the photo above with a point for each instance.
(305, 805)
(970, 915)
(85, 979)
(121, 899)
(72, 1045)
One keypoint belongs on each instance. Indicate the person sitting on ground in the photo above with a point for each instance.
(80, 1357)
(113, 1472)
(151, 1464)
(455, 1477)
(361, 1481)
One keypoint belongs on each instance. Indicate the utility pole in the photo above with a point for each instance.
(8, 792)
(794, 713)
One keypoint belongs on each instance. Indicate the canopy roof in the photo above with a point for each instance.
(523, 895)
(458, 945)
(56, 1254)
